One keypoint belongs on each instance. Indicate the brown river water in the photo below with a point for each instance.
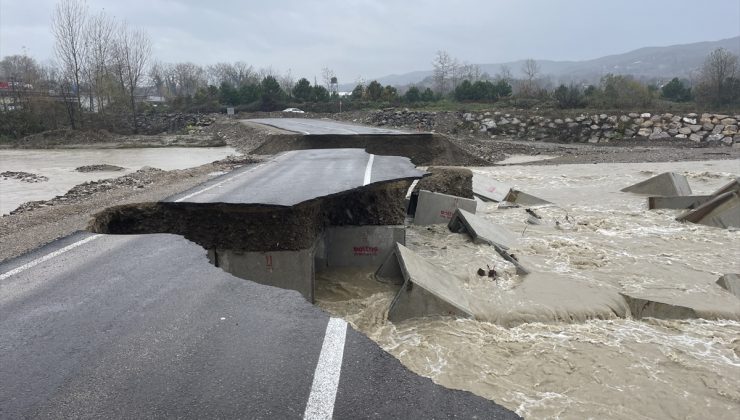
(557, 345)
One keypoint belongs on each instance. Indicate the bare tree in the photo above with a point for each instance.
(326, 75)
(286, 82)
(68, 25)
(443, 65)
(99, 42)
(531, 71)
(233, 74)
(504, 74)
(132, 51)
(471, 72)
(717, 75)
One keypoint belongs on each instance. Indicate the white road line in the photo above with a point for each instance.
(328, 369)
(47, 257)
(411, 188)
(368, 170)
(218, 184)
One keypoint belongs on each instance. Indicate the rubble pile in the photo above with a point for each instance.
(23, 176)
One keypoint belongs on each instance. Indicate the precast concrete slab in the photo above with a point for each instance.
(480, 230)
(427, 290)
(524, 199)
(731, 283)
(489, 189)
(293, 270)
(722, 211)
(677, 202)
(433, 208)
(689, 305)
(362, 246)
(733, 185)
(667, 184)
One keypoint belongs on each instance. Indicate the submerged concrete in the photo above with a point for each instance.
(524, 199)
(666, 184)
(433, 208)
(677, 202)
(480, 230)
(427, 290)
(731, 283)
(688, 305)
(722, 211)
(489, 189)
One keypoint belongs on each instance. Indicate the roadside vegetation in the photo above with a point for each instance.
(104, 77)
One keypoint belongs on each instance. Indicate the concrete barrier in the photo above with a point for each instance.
(722, 211)
(362, 246)
(677, 202)
(666, 184)
(524, 199)
(731, 283)
(481, 230)
(488, 189)
(427, 290)
(285, 269)
(433, 208)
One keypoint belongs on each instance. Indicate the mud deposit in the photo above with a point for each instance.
(563, 345)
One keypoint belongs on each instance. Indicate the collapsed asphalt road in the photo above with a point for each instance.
(106, 326)
(144, 326)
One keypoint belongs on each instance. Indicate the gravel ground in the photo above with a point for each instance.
(37, 223)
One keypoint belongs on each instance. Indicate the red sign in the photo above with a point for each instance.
(365, 250)
(4, 85)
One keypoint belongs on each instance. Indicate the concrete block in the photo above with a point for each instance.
(285, 269)
(722, 211)
(731, 283)
(670, 305)
(481, 230)
(427, 290)
(362, 246)
(733, 185)
(524, 199)
(679, 202)
(489, 189)
(666, 184)
(435, 208)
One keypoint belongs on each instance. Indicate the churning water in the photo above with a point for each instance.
(558, 345)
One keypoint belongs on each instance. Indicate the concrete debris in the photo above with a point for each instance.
(722, 211)
(480, 230)
(731, 283)
(733, 185)
(524, 199)
(666, 184)
(488, 189)
(427, 290)
(661, 305)
(361, 246)
(433, 208)
(677, 202)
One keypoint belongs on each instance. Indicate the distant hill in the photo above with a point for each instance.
(645, 63)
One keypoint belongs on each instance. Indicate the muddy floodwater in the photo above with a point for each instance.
(557, 347)
(59, 167)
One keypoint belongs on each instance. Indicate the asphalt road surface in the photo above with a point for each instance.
(142, 326)
(323, 127)
(297, 176)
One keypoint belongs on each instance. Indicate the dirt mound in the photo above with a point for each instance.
(448, 180)
(104, 167)
(65, 136)
(422, 149)
(23, 176)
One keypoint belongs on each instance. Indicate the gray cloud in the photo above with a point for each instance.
(374, 38)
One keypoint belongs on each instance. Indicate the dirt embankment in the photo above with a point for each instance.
(101, 139)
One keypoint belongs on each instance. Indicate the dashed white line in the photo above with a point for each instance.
(47, 257)
(218, 184)
(328, 369)
(368, 170)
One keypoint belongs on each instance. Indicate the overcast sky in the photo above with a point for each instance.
(373, 38)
